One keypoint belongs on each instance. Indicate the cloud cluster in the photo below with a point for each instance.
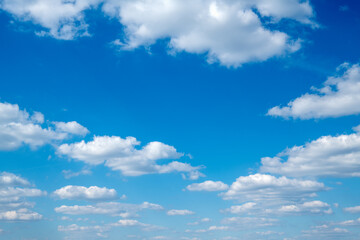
(313, 207)
(250, 222)
(182, 212)
(18, 127)
(230, 32)
(124, 210)
(340, 96)
(13, 193)
(263, 187)
(325, 232)
(209, 186)
(83, 193)
(241, 209)
(327, 156)
(121, 154)
(355, 209)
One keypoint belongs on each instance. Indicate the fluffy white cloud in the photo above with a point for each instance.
(84, 193)
(231, 32)
(174, 212)
(13, 198)
(75, 231)
(340, 96)
(355, 209)
(209, 186)
(267, 188)
(228, 31)
(325, 232)
(213, 228)
(22, 214)
(109, 208)
(10, 179)
(240, 209)
(121, 154)
(11, 192)
(71, 127)
(135, 223)
(18, 127)
(61, 19)
(327, 156)
(75, 227)
(313, 207)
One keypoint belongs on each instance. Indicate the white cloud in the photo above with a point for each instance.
(61, 19)
(218, 228)
(355, 209)
(121, 154)
(231, 32)
(339, 96)
(313, 207)
(174, 212)
(71, 127)
(10, 179)
(70, 174)
(108, 208)
(22, 214)
(84, 193)
(267, 188)
(135, 223)
(75, 231)
(355, 222)
(327, 156)
(213, 228)
(250, 222)
(13, 194)
(75, 227)
(240, 209)
(209, 186)
(325, 232)
(18, 127)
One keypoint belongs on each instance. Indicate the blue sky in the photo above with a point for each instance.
(169, 119)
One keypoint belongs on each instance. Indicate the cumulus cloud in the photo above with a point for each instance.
(60, 19)
(339, 96)
(262, 187)
(124, 210)
(325, 232)
(18, 127)
(75, 227)
(209, 186)
(22, 214)
(85, 193)
(327, 156)
(122, 155)
(230, 32)
(75, 231)
(313, 207)
(10, 180)
(355, 209)
(213, 228)
(71, 127)
(241, 209)
(174, 212)
(13, 195)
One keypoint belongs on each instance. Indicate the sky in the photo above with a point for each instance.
(179, 119)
